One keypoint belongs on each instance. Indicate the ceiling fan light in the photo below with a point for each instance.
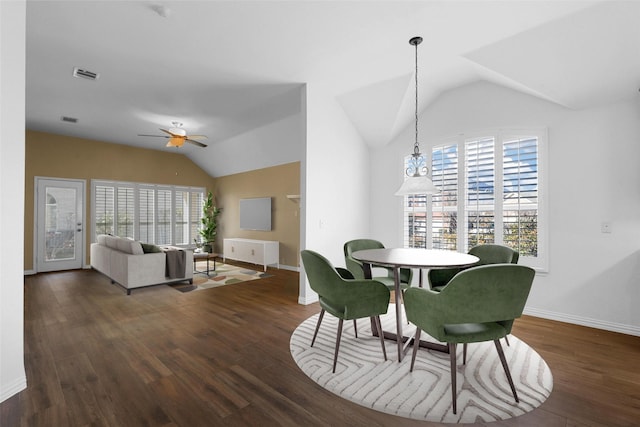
(175, 142)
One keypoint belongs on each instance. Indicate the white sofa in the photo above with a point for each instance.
(125, 263)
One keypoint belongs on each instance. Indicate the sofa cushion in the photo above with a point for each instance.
(111, 241)
(129, 246)
(136, 248)
(150, 248)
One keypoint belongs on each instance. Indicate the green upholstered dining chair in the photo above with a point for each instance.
(488, 254)
(346, 274)
(346, 299)
(479, 304)
(357, 269)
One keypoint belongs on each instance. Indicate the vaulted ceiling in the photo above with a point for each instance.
(224, 68)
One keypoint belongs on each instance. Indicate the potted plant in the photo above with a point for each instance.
(209, 223)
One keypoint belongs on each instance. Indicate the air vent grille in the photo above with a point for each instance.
(69, 119)
(85, 74)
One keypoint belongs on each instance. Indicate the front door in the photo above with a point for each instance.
(59, 224)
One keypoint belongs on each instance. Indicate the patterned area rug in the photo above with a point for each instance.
(225, 274)
(363, 376)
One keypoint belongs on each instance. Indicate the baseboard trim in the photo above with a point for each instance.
(14, 387)
(308, 300)
(290, 268)
(584, 321)
(32, 272)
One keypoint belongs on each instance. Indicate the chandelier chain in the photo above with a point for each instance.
(416, 148)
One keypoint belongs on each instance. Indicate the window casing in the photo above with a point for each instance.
(160, 214)
(492, 190)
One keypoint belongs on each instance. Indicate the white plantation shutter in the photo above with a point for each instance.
(480, 191)
(157, 214)
(444, 205)
(491, 191)
(124, 212)
(181, 217)
(196, 203)
(146, 215)
(520, 194)
(164, 217)
(104, 210)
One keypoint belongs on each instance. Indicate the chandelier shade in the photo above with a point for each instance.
(417, 184)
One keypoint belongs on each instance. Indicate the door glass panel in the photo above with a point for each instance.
(60, 223)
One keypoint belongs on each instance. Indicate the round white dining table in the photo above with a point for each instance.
(397, 258)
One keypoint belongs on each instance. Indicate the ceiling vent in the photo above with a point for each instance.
(85, 74)
(69, 119)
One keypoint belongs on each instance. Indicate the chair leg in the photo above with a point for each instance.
(317, 326)
(503, 360)
(464, 354)
(339, 335)
(403, 306)
(416, 344)
(355, 327)
(452, 356)
(506, 339)
(376, 321)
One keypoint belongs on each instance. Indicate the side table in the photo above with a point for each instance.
(204, 255)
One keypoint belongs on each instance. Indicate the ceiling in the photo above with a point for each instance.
(224, 68)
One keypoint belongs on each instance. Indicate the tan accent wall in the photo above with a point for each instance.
(276, 182)
(57, 156)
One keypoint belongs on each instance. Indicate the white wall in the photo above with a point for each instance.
(336, 193)
(593, 176)
(276, 143)
(12, 119)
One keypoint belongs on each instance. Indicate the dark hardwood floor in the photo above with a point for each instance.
(220, 357)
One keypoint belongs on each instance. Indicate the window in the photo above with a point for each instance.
(164, 215)
(444, 207)
(146, 215)
(480, 192)
(197, 202)
(103, 209)
(125, 212)
(491, 191)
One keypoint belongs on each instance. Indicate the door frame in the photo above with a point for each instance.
(36, 205)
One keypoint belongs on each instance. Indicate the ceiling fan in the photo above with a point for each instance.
(177, 136)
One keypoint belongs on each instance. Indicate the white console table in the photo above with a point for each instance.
(262, 252)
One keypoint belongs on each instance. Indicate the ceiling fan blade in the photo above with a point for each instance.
(157, 136)
(198, 143)
(197, 136)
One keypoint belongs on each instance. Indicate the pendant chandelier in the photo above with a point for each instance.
(417, 171)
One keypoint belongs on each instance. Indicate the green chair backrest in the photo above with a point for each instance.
(494, 254)
(344, 298)
(488, 293)
(323, 277)
(488, 254)
(353, 265)
(482, 294)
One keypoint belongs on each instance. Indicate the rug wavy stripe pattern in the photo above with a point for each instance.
(362, 376)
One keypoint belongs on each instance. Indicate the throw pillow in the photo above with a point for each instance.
(149, 248)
